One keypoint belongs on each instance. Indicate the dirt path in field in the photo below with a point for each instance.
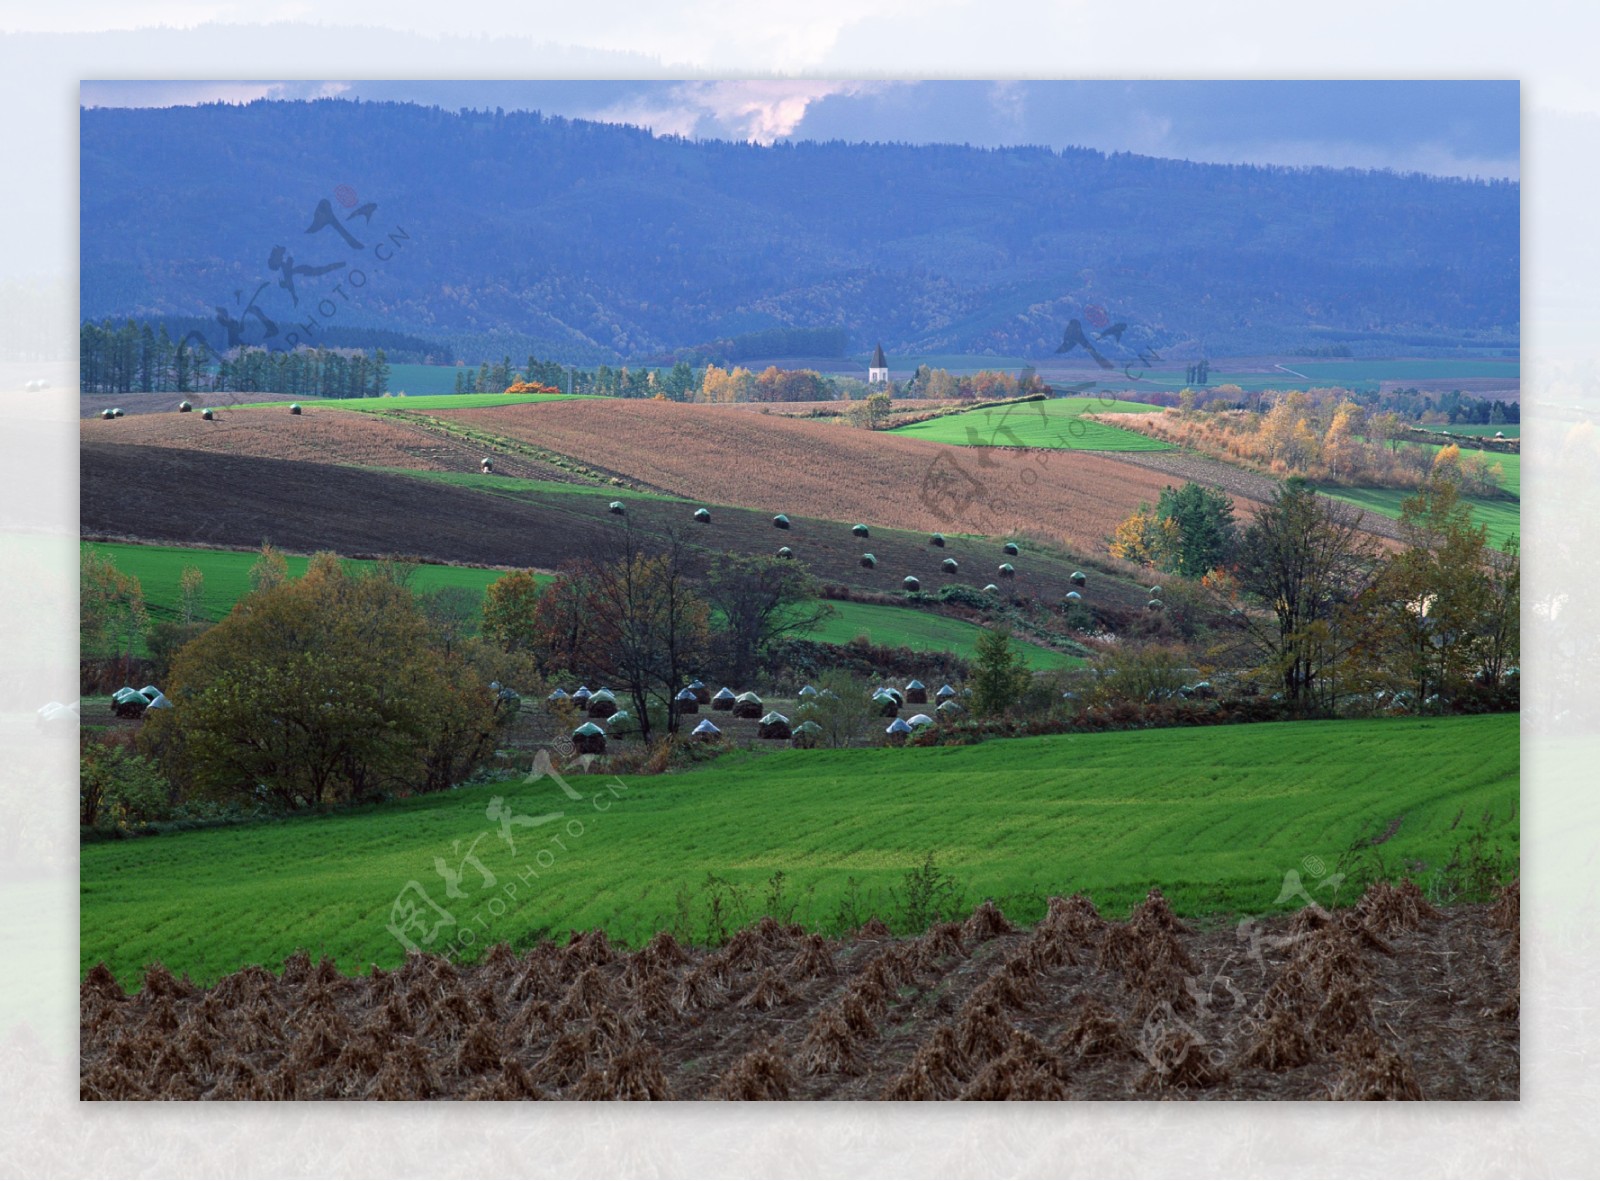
(1390, 1000)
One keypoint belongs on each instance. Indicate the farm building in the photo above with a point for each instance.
(878, 371)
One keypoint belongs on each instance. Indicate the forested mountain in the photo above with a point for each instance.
(490, 232)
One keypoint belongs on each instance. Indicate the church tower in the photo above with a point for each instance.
(878, 371)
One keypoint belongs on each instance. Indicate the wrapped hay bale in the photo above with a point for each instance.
(898, 731)
(747, 705)
(686, 702)
(780, 521)
(701, 693)
(861, 531)
(945, 693)
(775, 726)
(917, 721)
(910, 583)
(703, 515)
(949, 565)
(602, 704)
(868, 562)
(1007, 570)
(706, 731)
(916, 693)
(807, 734)
(589, 739)
(937, 540)
(1011, 549)
(785, 552)
(723, 701)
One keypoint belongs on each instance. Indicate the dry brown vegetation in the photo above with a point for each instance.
(825, 469)
(1390, 1000)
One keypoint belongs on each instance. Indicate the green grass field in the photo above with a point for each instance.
(227, 574)
(901, 627)
(1503, 518)
(1056, 423)
(1216, 817)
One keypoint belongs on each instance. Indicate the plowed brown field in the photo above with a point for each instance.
(1390, 1000)
(830, 470)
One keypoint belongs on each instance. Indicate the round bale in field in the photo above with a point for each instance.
(807, 734)
(781, 521)
(616, 508)
(774, 725)
(208, 414)
(861, 530)
(910, 583)
(1011, 549)
(1154, 605)
(1078, 578)
(1074, 597)
(937, 540)
(949, 565)
(785, 552)
(602, 704)
(486, 465)
(747, 705)
(916, 693)
(589, 739)
(991, 589)
(106, 414)
(294, 407)
(706, 731)
(1007, 570)
(869, 562)
(686, 702)
(703, 515)
(723, 701)
(184, 408)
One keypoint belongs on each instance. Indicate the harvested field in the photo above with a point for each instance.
(1385, 1001)
(829, 470)
(317, 435)
(211, 499)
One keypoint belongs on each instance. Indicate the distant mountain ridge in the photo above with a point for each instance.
(585, 241)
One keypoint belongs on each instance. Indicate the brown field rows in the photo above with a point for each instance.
(1389, 1000)
(828, 470)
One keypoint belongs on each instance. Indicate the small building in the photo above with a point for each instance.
(878, 371)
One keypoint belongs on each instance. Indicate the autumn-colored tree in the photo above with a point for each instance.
(508, 611)
(1147, 538)
(111, 609)
(323, 689)
(270, 568)
(191, 595)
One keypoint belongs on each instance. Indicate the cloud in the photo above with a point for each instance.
(760, 111)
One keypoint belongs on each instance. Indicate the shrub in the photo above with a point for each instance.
(118, 787)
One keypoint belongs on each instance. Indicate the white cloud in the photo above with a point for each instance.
(759, 110)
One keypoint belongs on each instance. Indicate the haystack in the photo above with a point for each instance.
(917, 721)
(807, 734)
(602, 704)
(991, 589)
(887, 704)
(701, 693)
(949, 709)
(937, 540)
(1073, 597)
(1154, 605)
(589, 739)
(486, 465)
(580, 695)
(785, 553)
(208, 414)
(945, 693)
(1011, 548)
(916, 693)
(747, 705)
(861, 531)
(703, 515)
(686, 702)
(910, 583)
(1078, 578)
(869, 562)
(780, 521)
(294, 407)
(806, 693)
(774, 725)
(184, 408)
(898, 731)
(705, 731)
(616, 508)
(558, 696)
(724, 700)
(949, 565)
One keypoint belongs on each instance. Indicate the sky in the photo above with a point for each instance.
(1446, 128)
